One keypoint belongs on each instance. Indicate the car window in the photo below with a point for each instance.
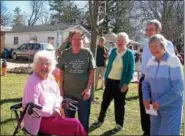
(48, 47)
(29, 46)
(22, 47)
(44, 46)
(36, 46)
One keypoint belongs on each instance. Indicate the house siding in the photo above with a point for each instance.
(24, 37)
(42, 36)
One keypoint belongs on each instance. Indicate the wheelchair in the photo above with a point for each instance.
(19, 112)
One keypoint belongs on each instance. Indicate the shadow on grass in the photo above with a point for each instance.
(7, 120)
(10, 100)
(92, 128)
(109, 133)
(132, 98)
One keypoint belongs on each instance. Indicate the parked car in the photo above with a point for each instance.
(28, 50)
(7, 53)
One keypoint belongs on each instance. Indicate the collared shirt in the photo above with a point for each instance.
(146, 55)
(117, 67)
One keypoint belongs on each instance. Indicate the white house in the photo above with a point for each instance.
(54, 34)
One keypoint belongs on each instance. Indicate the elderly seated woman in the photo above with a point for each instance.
(42, 89)
(163, 86)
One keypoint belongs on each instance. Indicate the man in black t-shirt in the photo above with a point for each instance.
(101, 56)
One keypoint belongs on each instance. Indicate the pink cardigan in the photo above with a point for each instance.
(45, 93)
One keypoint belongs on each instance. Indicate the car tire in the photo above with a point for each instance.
(14, 56)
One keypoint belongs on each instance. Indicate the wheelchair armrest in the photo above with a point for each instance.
(69, 103)
(16, 106)
(30, 107)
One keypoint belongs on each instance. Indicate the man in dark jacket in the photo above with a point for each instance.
(101, 56)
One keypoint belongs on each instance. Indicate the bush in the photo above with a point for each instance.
(21, 70)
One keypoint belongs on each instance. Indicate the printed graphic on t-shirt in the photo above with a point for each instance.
(76, 66)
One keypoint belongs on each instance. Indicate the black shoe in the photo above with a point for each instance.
(96, 124)
(117, 129)
(146, 134)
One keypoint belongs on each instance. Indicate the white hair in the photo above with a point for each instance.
(155, 22)
(160, 38)
(124, 36)
(46, 55)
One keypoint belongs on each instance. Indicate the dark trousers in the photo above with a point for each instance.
(145, 118)
(83, 112)
(113, 91)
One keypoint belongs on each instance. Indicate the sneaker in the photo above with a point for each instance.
(96, 124)
(117, 129)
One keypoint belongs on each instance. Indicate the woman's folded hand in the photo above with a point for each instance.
(156, 105)
(146, 104)
(56, 112)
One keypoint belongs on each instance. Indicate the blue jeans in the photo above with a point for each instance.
(83, 112)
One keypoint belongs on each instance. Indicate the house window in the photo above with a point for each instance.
(51, 40)
(16, 40)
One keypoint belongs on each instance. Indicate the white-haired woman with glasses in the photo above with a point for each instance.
(42, 89)
(119, 73)
(164, 81)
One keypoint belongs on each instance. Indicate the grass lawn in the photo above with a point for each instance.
(11, 93)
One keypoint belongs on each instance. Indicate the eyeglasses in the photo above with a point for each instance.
(151, 29)
(44, 63)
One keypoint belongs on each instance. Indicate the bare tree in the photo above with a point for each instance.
(45, 19)
(19, 19)
(169, 13)
(37, 10)
(5, 16)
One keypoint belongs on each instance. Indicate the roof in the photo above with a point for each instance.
(6, 28)
(110, 36)
(38, 28)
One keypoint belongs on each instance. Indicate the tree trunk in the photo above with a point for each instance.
(93, 49)
(93, 11)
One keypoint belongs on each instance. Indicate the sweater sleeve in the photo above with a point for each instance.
(146, 87)
(110, 60)
(131, 68)
(177, 85)
(31, 94)
(59, 99)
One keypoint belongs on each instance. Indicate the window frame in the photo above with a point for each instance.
(16, 40)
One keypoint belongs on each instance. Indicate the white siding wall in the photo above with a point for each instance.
(25, 37)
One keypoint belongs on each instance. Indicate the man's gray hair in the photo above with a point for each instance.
(45, 55)
(102, 39)
(124, 36)
(160, 38)
(155, 22)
